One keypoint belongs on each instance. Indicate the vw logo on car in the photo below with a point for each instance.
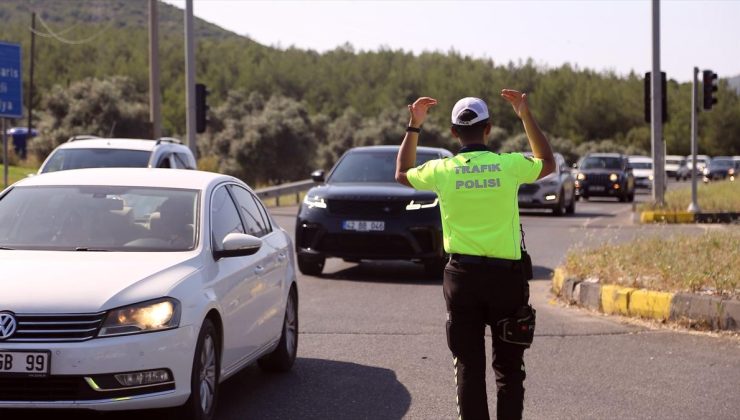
(7, 325)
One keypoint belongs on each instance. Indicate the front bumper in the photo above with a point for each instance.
(536, 196)
(643, 182)
(415, 235)
(71, 363)
(586, 188)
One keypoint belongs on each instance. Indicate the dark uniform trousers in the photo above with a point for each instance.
(480, 294)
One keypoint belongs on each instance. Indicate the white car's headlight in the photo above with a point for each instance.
(314, 201)
(160, 314)
(422, 204)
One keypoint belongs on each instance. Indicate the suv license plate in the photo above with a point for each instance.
(364, 225)
(596, 188)
(24, 363)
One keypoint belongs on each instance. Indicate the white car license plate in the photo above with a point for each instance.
(596, 188)
(24, 363)
(364, 225)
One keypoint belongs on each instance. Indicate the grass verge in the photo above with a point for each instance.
(16, 173)
(681, 263)
(715, 197)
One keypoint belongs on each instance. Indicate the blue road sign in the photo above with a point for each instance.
(11, 81)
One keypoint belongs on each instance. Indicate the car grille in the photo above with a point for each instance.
(528, 188)
(599, 179)
(362, 208)
(64, 388)
(56, 327)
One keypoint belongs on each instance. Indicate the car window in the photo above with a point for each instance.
(641, 165)
(224, 217)
(592, 162)
(165, 163)
(181, 160)
(253, 218)
(64, 159)
(101, 218)
(371, 166)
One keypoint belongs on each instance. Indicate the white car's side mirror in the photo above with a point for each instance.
(238, 245)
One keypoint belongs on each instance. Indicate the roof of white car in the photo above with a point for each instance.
(144, 177)
(640, 159)
(100, 143)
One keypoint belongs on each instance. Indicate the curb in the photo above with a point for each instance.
(697, 310)
(665, 216)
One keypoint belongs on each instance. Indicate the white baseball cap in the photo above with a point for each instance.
(475, 105)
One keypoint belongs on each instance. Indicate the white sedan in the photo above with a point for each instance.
(139, 288)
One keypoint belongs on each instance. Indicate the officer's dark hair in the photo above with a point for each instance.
(470, 133)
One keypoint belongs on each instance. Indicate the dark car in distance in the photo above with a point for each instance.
(721, 167)
(605, 175)
(360, 212)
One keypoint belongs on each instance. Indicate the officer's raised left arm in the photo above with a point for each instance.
(537, 141)
(407, 153)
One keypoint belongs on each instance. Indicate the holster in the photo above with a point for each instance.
(518, 329)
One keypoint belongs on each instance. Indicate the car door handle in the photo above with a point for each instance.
(281, 257)
(259, 269)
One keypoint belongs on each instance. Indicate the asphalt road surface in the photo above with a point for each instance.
(373, 346)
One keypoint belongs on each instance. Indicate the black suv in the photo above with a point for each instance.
(605, 175)
(361, 212)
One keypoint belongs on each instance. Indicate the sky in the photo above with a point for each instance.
(601, 35)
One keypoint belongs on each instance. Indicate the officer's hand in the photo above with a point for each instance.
(418, 110)
(517, 100)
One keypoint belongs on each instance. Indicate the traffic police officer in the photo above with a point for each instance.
(483, 281)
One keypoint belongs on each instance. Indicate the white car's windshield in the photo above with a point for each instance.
(64, 159)
(641, 165)
(98, 218)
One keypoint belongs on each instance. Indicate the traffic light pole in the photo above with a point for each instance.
(657, 113)
(694, 206)
(190, 78)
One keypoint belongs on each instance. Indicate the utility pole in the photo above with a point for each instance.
(694, 206)
(657, 113)
(154, 94)
(190, 78)
(30, 78)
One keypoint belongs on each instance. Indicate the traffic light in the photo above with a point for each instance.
(648, 94)
(710, 87)
(201, 107)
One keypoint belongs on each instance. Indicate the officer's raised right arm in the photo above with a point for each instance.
(537, 141)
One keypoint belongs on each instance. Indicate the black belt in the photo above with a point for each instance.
(490, 261)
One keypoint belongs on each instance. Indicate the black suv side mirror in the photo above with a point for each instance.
(318, 175)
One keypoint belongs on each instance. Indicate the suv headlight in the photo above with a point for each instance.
(581, 176)
(154, 315)
(422, 204)
(613, 177)
(314, 201)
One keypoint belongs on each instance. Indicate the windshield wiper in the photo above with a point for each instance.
(84, 248)
(5, 247)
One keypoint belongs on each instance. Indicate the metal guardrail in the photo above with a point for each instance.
(285, 189)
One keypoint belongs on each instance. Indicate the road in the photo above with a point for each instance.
(373, 346)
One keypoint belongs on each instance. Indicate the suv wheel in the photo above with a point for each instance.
(560, 208)
(311, 266)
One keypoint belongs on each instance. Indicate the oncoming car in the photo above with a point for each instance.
(361, 212)
(139, 288)
(605, 175)
(95, 152)
(555, 191)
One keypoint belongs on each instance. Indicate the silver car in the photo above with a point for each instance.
(555, 191)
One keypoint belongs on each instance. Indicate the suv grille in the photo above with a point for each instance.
(599, 179)
(56, 327)
(367, 207)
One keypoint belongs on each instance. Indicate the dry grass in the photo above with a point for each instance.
(715, 197)
(705, 263)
